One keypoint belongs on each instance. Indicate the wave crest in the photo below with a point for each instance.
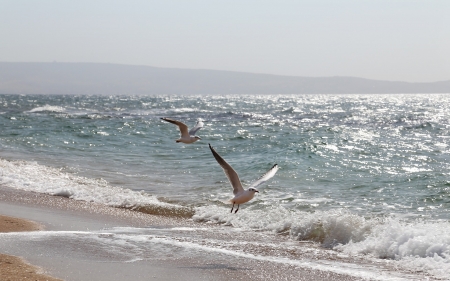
(30, 176)
(420, 245)
(48, 108)
(329, 228)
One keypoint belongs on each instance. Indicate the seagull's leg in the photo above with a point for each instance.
(237, 209)
(232, 208)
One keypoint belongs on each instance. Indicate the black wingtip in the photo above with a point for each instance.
(212, 149)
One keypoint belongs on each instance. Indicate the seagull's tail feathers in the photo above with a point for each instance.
(228, 201)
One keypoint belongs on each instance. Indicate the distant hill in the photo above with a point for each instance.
(116, 79)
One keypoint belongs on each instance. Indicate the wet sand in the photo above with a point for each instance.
(202, 260)
(14, 268)
(10, 224)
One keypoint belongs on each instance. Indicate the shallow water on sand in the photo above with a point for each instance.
(83, 241)
(358, 174)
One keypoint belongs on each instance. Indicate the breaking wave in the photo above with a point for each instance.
(417, 244)
(31, 176)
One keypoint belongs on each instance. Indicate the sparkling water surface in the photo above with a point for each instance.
(373, 155)
(359, 174)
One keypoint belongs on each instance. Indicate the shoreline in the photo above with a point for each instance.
(60, 215)
(80, 237)
(16, 268)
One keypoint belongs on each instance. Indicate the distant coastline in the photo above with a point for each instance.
(117, 79)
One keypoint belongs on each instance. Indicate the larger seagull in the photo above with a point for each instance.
(186, 136)
(240, 195)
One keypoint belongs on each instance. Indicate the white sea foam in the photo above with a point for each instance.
(31, 176)
(135, 245)
(327, 227)
(415, 169)
(49, 108)
(102, 133)
(419, 246)
(416, 246)
(327, 266)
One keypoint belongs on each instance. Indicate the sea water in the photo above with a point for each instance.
(359, 174)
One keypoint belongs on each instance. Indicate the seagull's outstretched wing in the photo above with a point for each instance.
(181, 126)
(229, 172)
(265, 177)
(197, 127)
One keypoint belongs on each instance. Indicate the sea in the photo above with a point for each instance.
(359, 175)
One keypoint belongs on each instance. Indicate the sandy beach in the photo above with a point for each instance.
(69, 262)
(76, 240)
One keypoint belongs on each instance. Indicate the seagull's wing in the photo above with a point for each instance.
(197, 127)
(265, 177)
(183, 128)
(229, 172)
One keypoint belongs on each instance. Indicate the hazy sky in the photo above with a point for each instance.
(403, 40)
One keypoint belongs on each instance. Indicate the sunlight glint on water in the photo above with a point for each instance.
(356, 171)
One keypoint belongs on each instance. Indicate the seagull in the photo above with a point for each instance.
(186, 136)
(240, 195)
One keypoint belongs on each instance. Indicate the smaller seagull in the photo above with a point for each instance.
(240, 195)
(186, 136)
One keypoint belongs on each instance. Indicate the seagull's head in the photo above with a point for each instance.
(253, 189)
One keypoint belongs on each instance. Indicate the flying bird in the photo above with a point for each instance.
(240, 195)
(186, 136)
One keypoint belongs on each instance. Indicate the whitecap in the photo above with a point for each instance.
(48, 108)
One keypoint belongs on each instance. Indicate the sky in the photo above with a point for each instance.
(396, 40)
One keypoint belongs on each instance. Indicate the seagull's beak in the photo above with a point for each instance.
(256, 191)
